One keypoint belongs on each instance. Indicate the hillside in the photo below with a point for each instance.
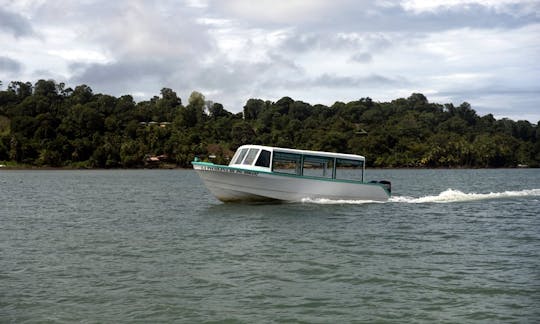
(47, 124)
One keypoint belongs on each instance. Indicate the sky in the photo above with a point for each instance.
(484, 52)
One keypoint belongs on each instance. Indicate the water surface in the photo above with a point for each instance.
(154, 246)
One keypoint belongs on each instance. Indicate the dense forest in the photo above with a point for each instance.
(49, 124)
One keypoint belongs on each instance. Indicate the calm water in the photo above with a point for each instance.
(153, 246)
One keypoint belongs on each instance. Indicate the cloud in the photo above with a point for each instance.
(142, 31)
(512, 6)
(120, 72)
(271, 12)
(378, 16)
(133, 28)
(315, 50)
(327, 80)
(15, 24)
(9, 65)
(362, 57)
(128, 46)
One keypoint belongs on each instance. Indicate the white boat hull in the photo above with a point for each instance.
(234, 185)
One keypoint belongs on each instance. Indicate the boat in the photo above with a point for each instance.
(259, 173)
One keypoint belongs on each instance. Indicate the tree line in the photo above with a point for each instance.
(49, 124)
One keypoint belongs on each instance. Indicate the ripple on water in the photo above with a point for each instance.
(154, 246)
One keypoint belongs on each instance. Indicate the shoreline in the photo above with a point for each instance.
(49, 168)
(46, 168)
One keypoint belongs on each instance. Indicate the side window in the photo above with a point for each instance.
(287, 163)
(350, 169)
(318, 166)
(251, 156)
(264, 159)
(240, 156)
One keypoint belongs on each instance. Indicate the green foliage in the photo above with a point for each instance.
(47, 124)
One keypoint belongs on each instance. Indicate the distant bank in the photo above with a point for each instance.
(47, 124)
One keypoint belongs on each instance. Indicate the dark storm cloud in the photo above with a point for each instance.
(15, 24)
(9, 65)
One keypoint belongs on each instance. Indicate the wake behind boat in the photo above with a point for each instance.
(264, 173)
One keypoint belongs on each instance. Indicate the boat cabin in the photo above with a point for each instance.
(304, 163)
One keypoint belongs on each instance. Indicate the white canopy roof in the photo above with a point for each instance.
(307, 152)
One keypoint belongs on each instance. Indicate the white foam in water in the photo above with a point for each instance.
(447, 196)
(338, 201)
(451, 195)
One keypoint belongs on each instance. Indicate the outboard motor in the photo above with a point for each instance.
(387, 184)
